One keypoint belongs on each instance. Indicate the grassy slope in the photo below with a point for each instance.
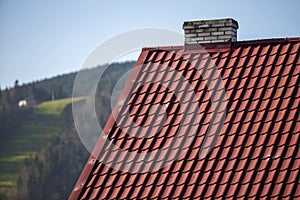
(34, 135)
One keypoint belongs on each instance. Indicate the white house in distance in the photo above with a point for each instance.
(22, 103)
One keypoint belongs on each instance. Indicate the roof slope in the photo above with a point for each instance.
(257, 151)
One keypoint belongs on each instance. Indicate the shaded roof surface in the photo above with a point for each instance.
(257, 151)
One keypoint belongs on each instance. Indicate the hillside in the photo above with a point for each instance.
(43, 124)
(41, 155)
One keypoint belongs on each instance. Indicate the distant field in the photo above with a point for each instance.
(33, 136)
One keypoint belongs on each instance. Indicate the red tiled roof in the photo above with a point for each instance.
(257, 151)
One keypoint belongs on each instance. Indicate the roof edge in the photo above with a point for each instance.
(224, 45)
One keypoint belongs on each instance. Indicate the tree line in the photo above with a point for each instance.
(52, 173)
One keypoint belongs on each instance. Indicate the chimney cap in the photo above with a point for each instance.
(212, 23)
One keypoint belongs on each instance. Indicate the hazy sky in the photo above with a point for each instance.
(40, 39)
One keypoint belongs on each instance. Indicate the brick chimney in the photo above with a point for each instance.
(210, 31)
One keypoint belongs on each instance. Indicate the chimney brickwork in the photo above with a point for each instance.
(210, 31)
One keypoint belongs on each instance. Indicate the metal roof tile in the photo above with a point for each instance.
(257, 152)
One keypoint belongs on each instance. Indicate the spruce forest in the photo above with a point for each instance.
(41, 155)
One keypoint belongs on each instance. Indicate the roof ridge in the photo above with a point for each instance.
(269, 41)
(223, 45)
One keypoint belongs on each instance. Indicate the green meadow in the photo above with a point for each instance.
(33, 135)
